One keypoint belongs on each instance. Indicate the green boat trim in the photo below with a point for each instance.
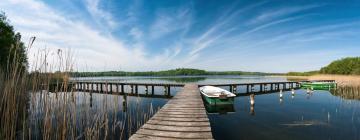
(216, 96)
(318, 85)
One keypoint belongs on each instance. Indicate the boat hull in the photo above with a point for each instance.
(318, 86)
(218, 101)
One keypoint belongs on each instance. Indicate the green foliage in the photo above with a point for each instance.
(345, 66)
(12, 50)
(302, 73)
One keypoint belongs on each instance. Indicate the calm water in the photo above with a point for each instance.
(317, 115)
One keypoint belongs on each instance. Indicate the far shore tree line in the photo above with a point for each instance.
(344, 66)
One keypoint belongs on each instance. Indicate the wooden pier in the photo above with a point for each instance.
(183, 117)
(149, 88)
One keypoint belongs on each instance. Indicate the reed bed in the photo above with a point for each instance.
(342, 80)
(28, 110)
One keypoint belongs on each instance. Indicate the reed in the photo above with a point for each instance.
(342, 80)
(28, 110)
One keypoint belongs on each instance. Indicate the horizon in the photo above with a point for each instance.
(270, 37)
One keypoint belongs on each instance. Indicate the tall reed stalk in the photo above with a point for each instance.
(44, 105)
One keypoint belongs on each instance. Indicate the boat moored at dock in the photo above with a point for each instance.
(318, 85)
(214, 95)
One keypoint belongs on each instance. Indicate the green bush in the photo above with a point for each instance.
(345, 66)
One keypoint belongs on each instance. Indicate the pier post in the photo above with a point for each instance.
(152, 90)
(117, 88)
(271, 87)
(247, 88)
(168, 90)
(231, 88)
(132, 89)
(146, 90)
(122, 88)
(136, 89)
(101, 87)
(92, 87)
(284, 86)
(261, 87)
(265, 86)
(110, 88)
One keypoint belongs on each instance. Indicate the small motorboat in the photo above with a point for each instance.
(318, 85)
(214, 95)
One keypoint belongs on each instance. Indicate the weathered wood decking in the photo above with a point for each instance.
(183, 117)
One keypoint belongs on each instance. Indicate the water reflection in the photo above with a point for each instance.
(219, 109)
(313, 115)
(252, 104)
(347, 92)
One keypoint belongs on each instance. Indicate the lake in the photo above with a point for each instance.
(316, 115)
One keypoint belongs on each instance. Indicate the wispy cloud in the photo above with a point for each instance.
(101, 16)
(281, 12)
(92, 48)
(168, 21)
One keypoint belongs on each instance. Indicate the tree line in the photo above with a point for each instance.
(12, 50)
(344, 66)
(173, 72)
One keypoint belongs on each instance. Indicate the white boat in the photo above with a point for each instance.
(214, 95)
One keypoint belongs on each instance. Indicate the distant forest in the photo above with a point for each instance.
(345, 66)
(174, 72)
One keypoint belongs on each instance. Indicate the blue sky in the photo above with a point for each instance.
(139, 35)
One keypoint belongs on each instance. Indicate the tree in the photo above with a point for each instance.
(12, 50)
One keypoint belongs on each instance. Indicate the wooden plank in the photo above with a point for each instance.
(192, 119)
(174, 134)
(176, 128)
(183, 117)
(142, 137)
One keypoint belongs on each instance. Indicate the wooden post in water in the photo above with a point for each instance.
(265, 86)
(92, 87)
(168, 90)
(284, 86)
(252, 104)
(117, 88)
(101, 87)
(136, 89)
(261, 87)
(122, 88)
(132, 89)
(231, 88)
(271, 87)
(247, 88)
(146, 90)
(152, 90)
(165, 90)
